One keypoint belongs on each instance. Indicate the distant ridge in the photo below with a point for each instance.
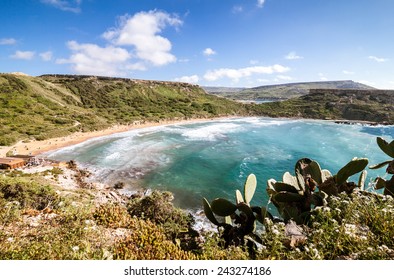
(282, 91)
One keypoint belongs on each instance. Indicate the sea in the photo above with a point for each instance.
(213, 158)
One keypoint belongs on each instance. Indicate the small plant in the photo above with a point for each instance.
(238, 227)
(295, 196)
(387, 185)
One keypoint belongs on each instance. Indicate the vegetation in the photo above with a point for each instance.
(336, 218)
(322, 216)
(358, 105)
(282, 91)
(57, 105)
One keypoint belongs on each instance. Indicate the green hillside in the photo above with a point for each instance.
(282, 91)
(358, 105)
(56, 105)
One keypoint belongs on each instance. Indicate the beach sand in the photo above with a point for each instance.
(37, 147)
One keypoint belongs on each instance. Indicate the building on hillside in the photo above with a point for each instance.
(11, 163)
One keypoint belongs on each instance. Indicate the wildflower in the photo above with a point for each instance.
(275, 231)
(383, 248)
(75, 248)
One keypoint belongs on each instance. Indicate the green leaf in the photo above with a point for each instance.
(315, 171)
(238, 197)
(250, 188)
(361, 180)
(288, 197)
(270, 187)
(243, 207)
(380, 165)
(290, 179)
(353, 167)
(380, 183)
(280, 187)
(223, 207)
(387, 148)
(208, 212)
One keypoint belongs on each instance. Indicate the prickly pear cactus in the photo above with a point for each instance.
(237, 221)
(388, 149)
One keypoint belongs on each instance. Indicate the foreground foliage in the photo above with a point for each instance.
(43, 221)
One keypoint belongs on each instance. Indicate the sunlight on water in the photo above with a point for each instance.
(213, 159)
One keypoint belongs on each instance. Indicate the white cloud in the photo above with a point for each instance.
(346, 72)
(284, 78)
(188, 79)
(7, 41)
(254, 61)
(25, 55)
(141, 32)
(68, 6)
(46, 56)
(260, 3)
(209, 52)
(377, 59)
(95, 60)
(293, 56)
(236, 74)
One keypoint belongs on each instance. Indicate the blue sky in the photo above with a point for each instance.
(239, 43)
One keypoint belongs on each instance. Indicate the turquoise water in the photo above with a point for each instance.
(212, 159)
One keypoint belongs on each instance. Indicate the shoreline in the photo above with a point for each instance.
(36, 148)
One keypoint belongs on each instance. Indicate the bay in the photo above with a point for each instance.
(213, 158)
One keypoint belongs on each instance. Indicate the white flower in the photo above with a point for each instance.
(275, 231)
(75, 248)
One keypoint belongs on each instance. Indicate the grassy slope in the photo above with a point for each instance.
(372, 106)
(284, 91)
(53, 106)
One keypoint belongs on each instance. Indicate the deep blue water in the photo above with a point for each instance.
(212, 159)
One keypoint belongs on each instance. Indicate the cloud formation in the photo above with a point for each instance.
(141, 32)
(260, 3)
(95, 60)
(209, 52)
(135, 44)
(67, 6)
(24, 55)
(7, 41)
(46, 56)
(293, 56)
(188, 79)
(236, 74)
(377, 59)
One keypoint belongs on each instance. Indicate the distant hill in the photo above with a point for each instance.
(57, 105)
(375, 106)
(282, 91)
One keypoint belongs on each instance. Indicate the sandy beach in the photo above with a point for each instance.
(38, 147)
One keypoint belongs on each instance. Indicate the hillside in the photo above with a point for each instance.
(346, 104)
(282, 91)
(57, 105)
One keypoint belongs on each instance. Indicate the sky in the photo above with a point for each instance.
(233, 43)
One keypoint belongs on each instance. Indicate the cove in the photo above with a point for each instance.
(213, 158)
